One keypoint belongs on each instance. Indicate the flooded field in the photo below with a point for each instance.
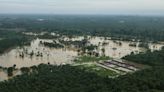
(49, 55)
(46, 55)
(40, 55)
(118, 49)
(36, 53)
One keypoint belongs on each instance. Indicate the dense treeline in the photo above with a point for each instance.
(67, 78)
(125, 27)
(52, 45)
(71, 79)
(149, 80)
(11, 39)
(55, 79)
(155, 58)
(6, 44)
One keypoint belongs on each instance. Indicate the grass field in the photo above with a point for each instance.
(98, 70)
(83, 59)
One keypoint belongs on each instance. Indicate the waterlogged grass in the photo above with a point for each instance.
(98, 70)
(84, 59)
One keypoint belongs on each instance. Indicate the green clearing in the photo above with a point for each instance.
(98, 70)
(84, 59)
(88, 64)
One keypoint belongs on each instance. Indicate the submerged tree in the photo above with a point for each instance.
(10, 71)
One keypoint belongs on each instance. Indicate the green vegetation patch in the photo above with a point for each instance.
(98, 70)
(48, 78)
(12, 39)
(91, 59)
(155, 58)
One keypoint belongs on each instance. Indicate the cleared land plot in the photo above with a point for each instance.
(105, 66)
(101, 71)
(84, 59)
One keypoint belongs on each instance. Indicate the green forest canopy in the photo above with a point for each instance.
(142, 27)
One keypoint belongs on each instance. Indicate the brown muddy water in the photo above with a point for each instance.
(53, 56)
(49, 55)
(115, 50)
(42, 54)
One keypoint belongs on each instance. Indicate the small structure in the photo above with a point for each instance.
(119, 65)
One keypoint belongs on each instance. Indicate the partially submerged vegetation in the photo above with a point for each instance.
(84, 75)
(47, 36)
(12, 39)
(144, 45)
(133, 44)
(52, 45)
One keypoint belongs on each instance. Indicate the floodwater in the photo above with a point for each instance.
(22, 57)
(4, 76)
(34, 34)
(65, 56)
(115, 50)
(49, 55)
